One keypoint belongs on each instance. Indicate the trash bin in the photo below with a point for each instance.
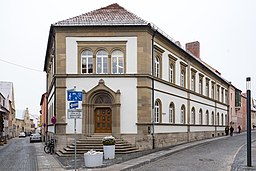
(93, 158)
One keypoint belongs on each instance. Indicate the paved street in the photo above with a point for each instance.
(18, 155)
(221, 154)
(211, 156)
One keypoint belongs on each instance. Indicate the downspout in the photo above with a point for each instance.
(153, 93)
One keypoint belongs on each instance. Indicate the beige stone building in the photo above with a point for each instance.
(137, 83)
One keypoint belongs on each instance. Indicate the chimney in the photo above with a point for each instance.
(194, 48)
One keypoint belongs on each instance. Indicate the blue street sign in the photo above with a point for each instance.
(73, 105)
(75, 95)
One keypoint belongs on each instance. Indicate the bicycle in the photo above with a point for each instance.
(49, 147)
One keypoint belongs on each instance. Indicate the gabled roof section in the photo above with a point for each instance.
(113, 14)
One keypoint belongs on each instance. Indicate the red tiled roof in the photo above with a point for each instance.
(109, 15)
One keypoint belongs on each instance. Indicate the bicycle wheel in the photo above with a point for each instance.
(46, 149)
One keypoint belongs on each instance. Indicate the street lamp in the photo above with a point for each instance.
(248, 88)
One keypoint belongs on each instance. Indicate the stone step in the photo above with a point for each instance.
(63, 153)
(95, 142)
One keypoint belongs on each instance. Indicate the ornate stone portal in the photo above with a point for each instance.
(101, 106)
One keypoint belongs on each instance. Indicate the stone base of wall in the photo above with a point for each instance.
(144, 142)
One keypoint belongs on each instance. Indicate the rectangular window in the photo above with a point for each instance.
(172, 61)
(207, 87)
(201, 83)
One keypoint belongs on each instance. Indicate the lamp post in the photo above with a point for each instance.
(248, 88)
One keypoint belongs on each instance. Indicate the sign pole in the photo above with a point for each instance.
(249, 148)
(75, 143)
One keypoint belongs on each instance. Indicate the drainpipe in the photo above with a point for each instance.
(153, 93)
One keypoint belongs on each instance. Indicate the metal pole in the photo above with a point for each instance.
(249, 155)
(75, 143)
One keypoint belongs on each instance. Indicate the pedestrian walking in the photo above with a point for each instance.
(227, 130)
(239, 129)
(231, 130)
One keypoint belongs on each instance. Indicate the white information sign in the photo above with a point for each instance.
(75, 114)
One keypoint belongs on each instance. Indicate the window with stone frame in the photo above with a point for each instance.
(212, 118)
(201, 84)
(193, 116)
(213, 90)
(87, 62)
(218, 92)
(200, 117)
(207, 80)
(207, 117)
(117, 60)
(183, 74)
(226, 119)
(222, 119)
(222, 94)
(182, 115)
(102, 62)
(158, 52)
(226, 97)
(157, 67)
(218, 119)
(171, 113)
(193, 80)
(172, 68)
(157, 116)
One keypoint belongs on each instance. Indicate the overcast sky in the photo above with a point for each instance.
(226, 30)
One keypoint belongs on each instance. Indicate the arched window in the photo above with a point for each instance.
(212, 118)
(218, 119)
(182, 115)
(117, 59)
(157, 111)
(102, 62)
(193, 116)
(171, 73)
(207, 118)
(157, 67)
(200, 117)
(222, 119)
(226, 119)
(87, 62)
(171, 113)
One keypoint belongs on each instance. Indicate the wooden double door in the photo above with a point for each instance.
(103, 120)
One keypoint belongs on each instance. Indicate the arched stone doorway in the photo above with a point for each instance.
(101, 106)
(103, 114)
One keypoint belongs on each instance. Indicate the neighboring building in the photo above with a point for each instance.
(110, 55)
(43, 117)
(20, 125)
(27, 121)
(7, 90)
(236, 108)
(253, 112)
(243, 108)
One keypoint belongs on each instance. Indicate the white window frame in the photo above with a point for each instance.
(117, 55)
(100, 60)
(86, 56)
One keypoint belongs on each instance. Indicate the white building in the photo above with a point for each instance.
(107, 54)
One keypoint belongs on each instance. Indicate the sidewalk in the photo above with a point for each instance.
(50, 163)
(46, 162)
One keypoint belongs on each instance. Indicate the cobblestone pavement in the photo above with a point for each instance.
(18, 155)
(211, 156)
(221, 153)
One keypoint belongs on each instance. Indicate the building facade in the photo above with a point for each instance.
(8, 108)
(137, 83)
(43, 117)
